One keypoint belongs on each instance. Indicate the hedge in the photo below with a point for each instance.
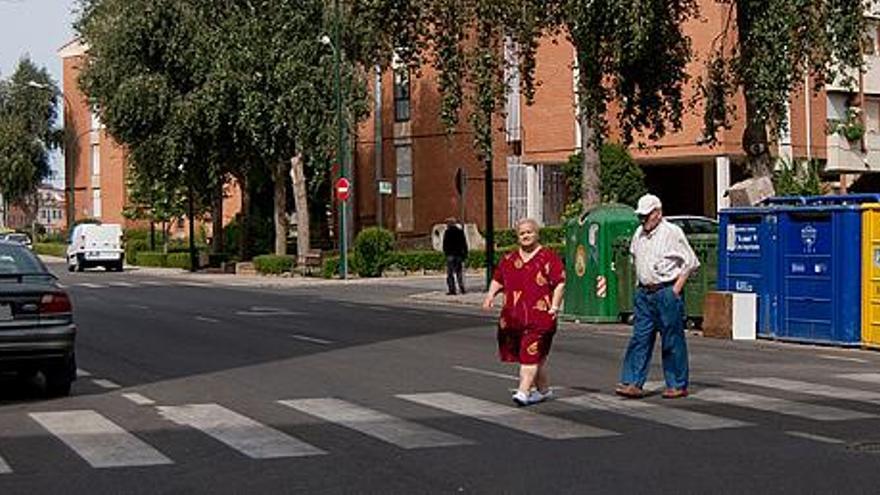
(424, 261)
(271, 264)
(151, 258)
(549, 235)
(178, 260)
(51, 249)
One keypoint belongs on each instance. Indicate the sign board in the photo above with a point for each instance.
(343, 189)
(385, 187)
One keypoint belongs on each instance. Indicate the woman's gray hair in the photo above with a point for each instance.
(532, 221)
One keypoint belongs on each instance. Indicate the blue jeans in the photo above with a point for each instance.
(661, 311)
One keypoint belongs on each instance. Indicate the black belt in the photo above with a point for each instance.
(652, 288)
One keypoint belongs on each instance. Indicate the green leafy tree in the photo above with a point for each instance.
(765, 50)
(621, 181)
(28, 101)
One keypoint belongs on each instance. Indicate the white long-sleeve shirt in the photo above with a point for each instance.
(662, 254)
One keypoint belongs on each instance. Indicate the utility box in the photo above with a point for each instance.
(730, 315)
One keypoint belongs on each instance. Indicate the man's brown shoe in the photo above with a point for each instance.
(675, 393)
(629, 391)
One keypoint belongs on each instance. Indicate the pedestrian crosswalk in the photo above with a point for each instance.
(144, 284)
(398, 421)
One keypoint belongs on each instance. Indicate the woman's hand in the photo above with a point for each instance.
(488, 302)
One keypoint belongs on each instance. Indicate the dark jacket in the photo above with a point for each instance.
(454, 242)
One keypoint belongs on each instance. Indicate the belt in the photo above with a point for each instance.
(652, 288)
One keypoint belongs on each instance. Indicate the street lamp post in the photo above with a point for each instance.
(341, 152)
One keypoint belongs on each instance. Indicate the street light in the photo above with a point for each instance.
(68, 175)
(341, 152)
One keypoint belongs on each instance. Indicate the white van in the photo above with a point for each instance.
(95, 245)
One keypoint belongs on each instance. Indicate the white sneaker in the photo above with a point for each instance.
(521, 399)
(536, 396)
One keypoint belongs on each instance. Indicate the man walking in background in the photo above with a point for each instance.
(455, 249)
(663, 261)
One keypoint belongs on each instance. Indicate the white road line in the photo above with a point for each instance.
(139, 399)
(842, 358)
(267, 309)
(121, 284)
(239, 432)
(613, 334)
(152, 282)
(313, 340)
(862, 377)
(396, 431)
(4, 467)
(486, 372)
(379, 308)
(817, 438)
(780, 406)
(101, 442)
(507, 416)
(670, 416)
(205, 318)
(81, 373)
(63, 286)
(263, 313)
(91, 285)
(193, 284)
(106, 384)
(138, 306)
(812, 389)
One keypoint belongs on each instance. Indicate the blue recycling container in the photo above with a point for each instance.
(747, 250)
(821, 277)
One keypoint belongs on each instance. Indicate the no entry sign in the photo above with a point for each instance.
(343, 189)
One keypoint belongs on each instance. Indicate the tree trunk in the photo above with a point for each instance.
(590, 195)
(279, 179)
(755, 141)
(300, 199)
(218, 241)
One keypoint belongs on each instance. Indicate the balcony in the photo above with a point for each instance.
(871, 79)
(847, 157)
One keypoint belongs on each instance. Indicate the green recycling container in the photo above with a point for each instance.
(705, 247)
(591, 283)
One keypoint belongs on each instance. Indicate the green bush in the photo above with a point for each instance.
(273, 264)
(133, 247)
(414, 261)
(51, 249)
(178, 260)
(151, 258)
(372, 248)
(549, 235)
(330, 267)
(54, 238)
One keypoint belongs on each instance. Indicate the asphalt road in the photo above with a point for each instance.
(189, 387)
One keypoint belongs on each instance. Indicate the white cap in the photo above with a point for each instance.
(647, 204)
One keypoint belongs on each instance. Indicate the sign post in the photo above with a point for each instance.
(343, 192)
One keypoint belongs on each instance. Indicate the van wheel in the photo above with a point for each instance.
(79, 263)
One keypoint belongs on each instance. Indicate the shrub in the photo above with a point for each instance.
(178, 260)
(51, 249)
(151, 258)
(413, 261)
(133, 247)
(330, 267)
(372, 248)
(273, 264)
(549, 235)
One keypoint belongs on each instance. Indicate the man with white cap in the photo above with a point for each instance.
(663, 260)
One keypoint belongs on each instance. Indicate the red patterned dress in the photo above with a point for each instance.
(526, 328)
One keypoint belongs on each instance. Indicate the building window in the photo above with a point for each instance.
(96, 203)
(96, 121)
(404, 171)
(401, 95)
(95, 159)
(517, 190)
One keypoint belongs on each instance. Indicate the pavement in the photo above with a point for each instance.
(389, 386)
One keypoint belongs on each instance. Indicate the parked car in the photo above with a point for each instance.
(19, 238)
(94, 245)
(37, 332)
(694, 224)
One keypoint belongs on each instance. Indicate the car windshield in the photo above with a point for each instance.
(17, 260)
(22, 238)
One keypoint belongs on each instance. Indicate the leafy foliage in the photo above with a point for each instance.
(271, 264)
(797, 178)
(371, 249)
(622, 180)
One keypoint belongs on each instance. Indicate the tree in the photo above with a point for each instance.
(765, 50)
(28, 101)
(621, 178)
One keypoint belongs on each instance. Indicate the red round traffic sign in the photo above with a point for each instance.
(343, 189)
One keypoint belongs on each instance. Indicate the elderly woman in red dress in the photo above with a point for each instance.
(533, 281)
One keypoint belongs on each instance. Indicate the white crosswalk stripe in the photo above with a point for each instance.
(862, 377)
(101, 442)
(779, 406)
(193, 284)
(121, 284)
(243, 434)
(152, 282)
(396, 431)
(812, 389)
(90, 285)
(507, 416)
(4, 467)
(679, 418)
